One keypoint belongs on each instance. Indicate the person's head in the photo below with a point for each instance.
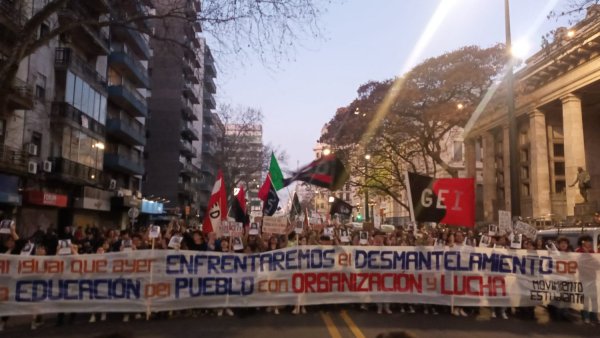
(136, 240)
(125, 235)
(303, 240)
(528, 244)
(9, 242)
(197, 238)
(459, 237)
(273, 241)
(378, 240)
(225, 245)
(585, 242)
(597, 217)
(563, 244)
(40, 250)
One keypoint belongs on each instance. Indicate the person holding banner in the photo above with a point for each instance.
(589, 312)
(225, 247)
(302, 241)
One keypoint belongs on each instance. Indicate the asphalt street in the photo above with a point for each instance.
(334, 322)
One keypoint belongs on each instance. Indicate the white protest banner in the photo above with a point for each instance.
(236, 229)
(154, 232)
(175, 242)
(525, 229)
(274, 225)
(223, 229)
(163, 280)
(504, 222)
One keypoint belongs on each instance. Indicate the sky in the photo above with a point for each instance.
(368, 40)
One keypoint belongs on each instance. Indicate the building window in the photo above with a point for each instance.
(559, 168)
(458, 151)
(40, 87)
(44, 29)
(560, 186)
(36, 138)
(559, 150)
(82, 96)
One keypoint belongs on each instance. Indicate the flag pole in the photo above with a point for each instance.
(410, 203)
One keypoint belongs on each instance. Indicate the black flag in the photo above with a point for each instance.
(296, 207)
(340, 207)
(271, 202)
(326, 172)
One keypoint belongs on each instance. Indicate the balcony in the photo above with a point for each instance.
(187, 108)
(208, 148)
(127, 130)
(189, 169)
(64, 113)
(75, 172)
(193, 77)
(188, 131)
(13, 160)
(187, 149)
(133, 38)
(205, 185)
(208, 132)
(66, 58)
(188, 67)
(91, 39)
(185, 189)
(209, 64)
(12, 18)
(20, 96)
(129, 100)
(208, 169)
(209, 100)
(190, 93)
(130, 67)
(124, 163)
(207, 116)
(209, 84)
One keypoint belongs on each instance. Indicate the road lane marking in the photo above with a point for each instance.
(333, 330)
(353, 327)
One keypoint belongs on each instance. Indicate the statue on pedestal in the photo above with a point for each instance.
(584, 182)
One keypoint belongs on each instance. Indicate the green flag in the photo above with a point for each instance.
(276, 174)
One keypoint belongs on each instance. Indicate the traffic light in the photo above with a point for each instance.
(359, 217)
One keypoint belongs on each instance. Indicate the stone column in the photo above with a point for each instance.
(574, 146)
(540, 172)
(506, 169)
(489, 177)
(470, 158)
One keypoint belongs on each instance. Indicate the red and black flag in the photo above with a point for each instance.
(339, 206)
(238, 207)
(326, 172)
(442, 200)
(217, 206)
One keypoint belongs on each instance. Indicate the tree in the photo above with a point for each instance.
(237, 25)
(242, 156)
(422, 116)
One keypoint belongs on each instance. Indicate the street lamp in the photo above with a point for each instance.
(512, 122)
(367, 158)
(326, 151)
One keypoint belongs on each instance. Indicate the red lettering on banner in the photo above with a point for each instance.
(355, 282)
(474, 286)
(132, 266)
(4, 266)
(157, 290)
(4, 293)
(37, 267)
(273, 286)
(566, 267)
(85, 266)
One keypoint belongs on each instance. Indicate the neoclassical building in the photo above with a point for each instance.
(558, 117)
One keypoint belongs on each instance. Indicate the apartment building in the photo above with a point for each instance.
(172, 163)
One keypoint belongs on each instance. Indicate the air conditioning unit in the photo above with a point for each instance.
(32, 149)
(112, 185)
(48, 166)
(32, 167)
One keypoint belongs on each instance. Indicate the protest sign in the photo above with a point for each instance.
(154, 232)
(64, 247)
(515, 241)
(238, 244)
(504, 223)
(254, 229)
(127, 246)
(274, 225)
(27, 249)
(525, 229)
(492, 230)
(175, 242)
(485, 241)
(5, 225)
(344, 236)
(364, 238)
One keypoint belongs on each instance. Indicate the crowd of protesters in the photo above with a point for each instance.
(95, 240)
